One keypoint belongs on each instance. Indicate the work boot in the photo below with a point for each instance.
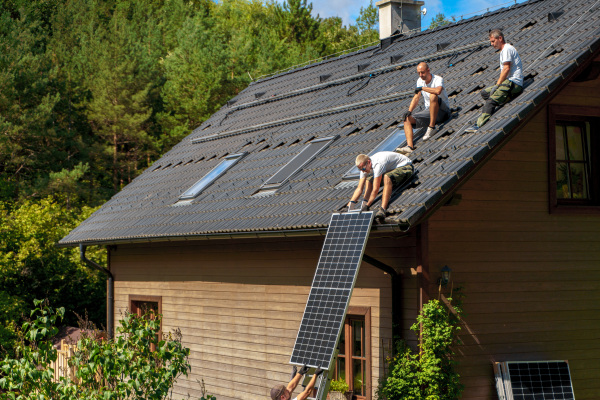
(406, 150)
(380, 213)
(430, 132)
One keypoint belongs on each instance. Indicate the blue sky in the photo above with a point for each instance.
(348, 9)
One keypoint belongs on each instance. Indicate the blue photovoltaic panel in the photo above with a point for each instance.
(331, 289)
(537, 380)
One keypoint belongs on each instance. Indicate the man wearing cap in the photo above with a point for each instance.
(437, 106)
(282, 392)
(387, 167)
(509, 84)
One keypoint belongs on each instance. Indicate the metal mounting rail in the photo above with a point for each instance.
(365, 74)
(364, 103)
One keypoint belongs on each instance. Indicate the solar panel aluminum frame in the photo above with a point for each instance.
(370, 214)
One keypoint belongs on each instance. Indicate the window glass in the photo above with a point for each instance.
(563, 185)
(579, 181)
(574, 143)
(358, 366)
(572, 160)
(213, 175)
(389, 144)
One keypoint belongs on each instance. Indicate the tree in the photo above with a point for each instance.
(368, 22)
(440, 20)
(296, 22)
(31, 266)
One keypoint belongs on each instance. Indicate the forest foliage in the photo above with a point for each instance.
(92, 92)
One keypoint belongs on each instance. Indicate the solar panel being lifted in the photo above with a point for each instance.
(331, 289)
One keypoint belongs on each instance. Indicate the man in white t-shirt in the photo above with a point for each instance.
(437, 106)
(282, 392)
(389, 167)
(509, 84)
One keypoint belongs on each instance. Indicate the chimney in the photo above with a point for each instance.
(398, 15)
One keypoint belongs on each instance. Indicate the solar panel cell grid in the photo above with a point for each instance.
(331, 289)
(541, 380)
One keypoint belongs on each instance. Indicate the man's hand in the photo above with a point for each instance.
(418, 89)
(406, 115)
(318, 372)
(303, 370)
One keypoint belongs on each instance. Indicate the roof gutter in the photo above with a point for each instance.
(110, 297)
(384, 228)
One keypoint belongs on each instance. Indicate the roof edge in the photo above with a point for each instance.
(284, 233)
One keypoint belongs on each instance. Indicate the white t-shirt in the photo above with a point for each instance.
(436, 81)
(385, 161)
(509, 54)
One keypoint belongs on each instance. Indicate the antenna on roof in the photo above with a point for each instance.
(424, 11)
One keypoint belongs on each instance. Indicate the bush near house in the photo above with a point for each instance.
(429, 374)
(137, 364)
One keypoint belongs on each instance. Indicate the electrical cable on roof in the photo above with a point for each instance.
(364, 84)
(227, 115)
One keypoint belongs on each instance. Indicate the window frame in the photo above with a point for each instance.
(357, 313)
(563, 113)
(190, 194)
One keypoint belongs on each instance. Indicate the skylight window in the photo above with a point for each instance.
(212, 176)
(389, 144)
(309, 152)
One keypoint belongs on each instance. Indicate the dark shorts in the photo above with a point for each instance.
(399, 175)
(423, 117)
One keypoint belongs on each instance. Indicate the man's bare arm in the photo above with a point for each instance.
(504, 73)
(433, 90)
(375, 191)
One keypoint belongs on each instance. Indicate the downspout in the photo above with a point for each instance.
(110, 298)
(396, 295)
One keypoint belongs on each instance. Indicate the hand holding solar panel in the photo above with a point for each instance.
(304, 370)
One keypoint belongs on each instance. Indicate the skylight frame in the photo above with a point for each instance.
(225, 165)
(306, 152)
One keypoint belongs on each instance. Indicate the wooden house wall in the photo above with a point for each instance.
(239, 304)
(531, 278)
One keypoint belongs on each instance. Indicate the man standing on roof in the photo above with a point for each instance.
(509, 84)
(437, 106)
(390, 167)
(281, 392)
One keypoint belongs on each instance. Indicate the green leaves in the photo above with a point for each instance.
(136, 365)
(429, 374)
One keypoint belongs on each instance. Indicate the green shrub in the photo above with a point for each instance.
(137, 364)
(429, 375)
(339, 385)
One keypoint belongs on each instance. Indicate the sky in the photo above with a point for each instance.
(348, 10)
